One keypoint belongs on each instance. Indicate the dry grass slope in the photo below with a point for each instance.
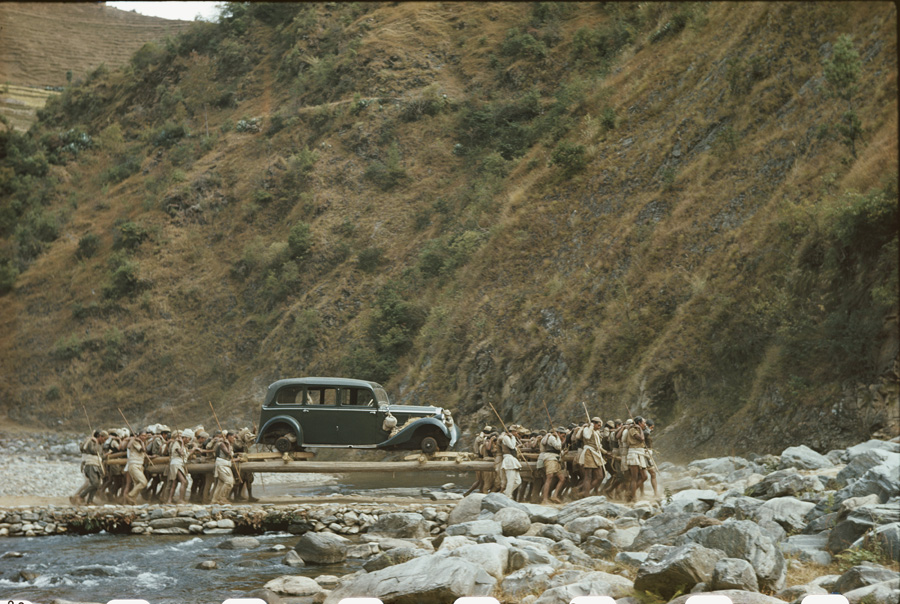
(665, 273)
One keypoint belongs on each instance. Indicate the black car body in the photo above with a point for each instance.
(348, 413)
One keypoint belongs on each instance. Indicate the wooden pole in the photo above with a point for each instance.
(519, 453)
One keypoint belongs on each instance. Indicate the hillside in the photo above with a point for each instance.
(48, 44)
(686, 211)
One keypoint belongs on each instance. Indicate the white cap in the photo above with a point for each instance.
(187, 433)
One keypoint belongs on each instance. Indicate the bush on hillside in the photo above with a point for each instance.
(8, 275)
(300, 240)
(122, 279)
(569, 157)
(389, 173)
(88, 246)
(369, 259)
(129, 236)
(127, 165)
(520, 44)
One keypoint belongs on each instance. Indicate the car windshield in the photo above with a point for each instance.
(382, 396)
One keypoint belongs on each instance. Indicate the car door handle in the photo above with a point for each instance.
(372, 412)
(305, 410)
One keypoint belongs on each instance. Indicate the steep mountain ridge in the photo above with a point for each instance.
(644, 207)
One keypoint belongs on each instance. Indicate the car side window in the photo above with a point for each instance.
(358, 397)
(322, 396)
(289, 395)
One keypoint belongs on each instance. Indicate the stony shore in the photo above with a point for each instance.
(728, 525)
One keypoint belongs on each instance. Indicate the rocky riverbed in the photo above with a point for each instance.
(768, 530)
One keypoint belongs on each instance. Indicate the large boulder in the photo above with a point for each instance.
(494, 502)
(679, 570)
(392, 557)
(737, 596)
(807, 548)
(567, 551)
(789, 512)
(492, 557)
(588, 584)
(433, 578)
(882, 480)
(522, 555)
(530, 579)
(782, 483)
(240, 543)
(585, 527)
(513, 521)
(467, 509)
(692, 501)
(591, 506)
(734, 573)
(623, 537)
(475, 528)
(662, 529)
(874, 443)
(886, 537)
(322, 548)
(803, 458)
(401, 525)
(293, 585)
(858, 522)
(863, 575)
(745, 540)
(863, 462)
(887, 592)
(720, 465)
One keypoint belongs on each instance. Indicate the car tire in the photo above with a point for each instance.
(429, 445)
(284, 445)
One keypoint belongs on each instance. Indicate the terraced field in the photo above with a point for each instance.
(41, 42)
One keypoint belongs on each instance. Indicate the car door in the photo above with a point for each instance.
(320, 416)
(361, 418)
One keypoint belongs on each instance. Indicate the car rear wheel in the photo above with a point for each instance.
(429, 444)
(285, 444)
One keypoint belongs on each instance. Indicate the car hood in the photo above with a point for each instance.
(423, 410)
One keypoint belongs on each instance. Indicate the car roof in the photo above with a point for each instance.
(324, 381)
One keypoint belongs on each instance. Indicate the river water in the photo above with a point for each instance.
(161, 568)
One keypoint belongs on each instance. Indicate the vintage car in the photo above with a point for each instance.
(345, 413)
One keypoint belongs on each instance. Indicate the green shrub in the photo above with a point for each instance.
(389, 173)
(129, 236)
(112, 349)
(67, 348)
(608, 118)
(88, 245)
(128, 164)
(300, 167)
(300, 240)
(571, 158)
(262, 196)
(8, 274)
(430, 101)
(122, 279)
(168, 134)
(369, 259)
(519, 44)
(504, 127)
(495, 165)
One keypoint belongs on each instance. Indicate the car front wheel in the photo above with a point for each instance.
(429, 444)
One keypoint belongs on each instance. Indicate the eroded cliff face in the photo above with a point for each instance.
(652, 209)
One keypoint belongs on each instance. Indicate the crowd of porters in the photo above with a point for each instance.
(128, 483)
(613, 459)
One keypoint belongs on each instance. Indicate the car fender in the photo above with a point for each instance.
(286, 419)
(406, 434)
